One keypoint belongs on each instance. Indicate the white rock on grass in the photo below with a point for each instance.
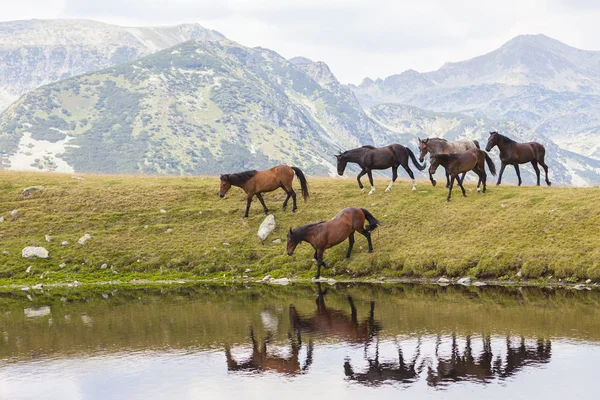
(34, 251)
(84, 239)
(277, 241)
(163, 211)
(14, 213)
(47, 237)
(28, 270)
(64, 243)
(267, 226)
(464, 281)
(280, 281)
(62, 265)
(265, 278)
(1, 219)
(104, 266)
(443, 281)
(478, 284)
(31, 189)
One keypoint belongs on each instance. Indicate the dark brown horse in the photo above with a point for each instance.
(513, 153)
(369, 158)
(455, 164)
(325, 234)
(435, 146)
(256, 182)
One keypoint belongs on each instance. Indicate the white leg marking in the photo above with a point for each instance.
(389, 187)
(362, 190)
(478, 190)
(414, 185)
(372, 190)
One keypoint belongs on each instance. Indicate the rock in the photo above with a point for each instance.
(64, 243)
(31, 189)
(14, 213)
(464, 281)
(28, 270)
(280, 281)
(443, 281)
(25, 289)
(104, 296)
(104, 266)
(265, 278)
(36, 312)
(62, 265)
(331, 281)
(277, 241)
(226, 244)
(162, 211)
(519, 274)
(168, 230)
(34, 251)
(1, 219)
(320, 279)
(479, 284)
(78, 178)
(39, 286)
(266, 227)
(247, 270)
(145, 226)
(47, 237)
(5, 252)
(84, 239)
(588, 281)
(579, 287)
(502, 205)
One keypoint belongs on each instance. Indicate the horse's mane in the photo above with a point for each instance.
(300, 232)
(437, 139)
(368, 146)
(241, 177)
(505, 139)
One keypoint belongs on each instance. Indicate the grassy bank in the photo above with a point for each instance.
(537, 233)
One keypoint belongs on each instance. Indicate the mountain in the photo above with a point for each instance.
(37, 52)
(199, 107)
(552, 88)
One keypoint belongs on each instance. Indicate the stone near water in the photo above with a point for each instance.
(39, 286)
(247, 270)
(84, 239)
(478, 283)
(464, 281)
(64, 243)
(519, 274)
(280, 281)
(277, 241)
(36, 312)
(588, 281)
(265, 278)
(31, 189)
(104, 266)
(267, 226)
(34, 251)
(47, 237)
(442, 281)
(579, 287)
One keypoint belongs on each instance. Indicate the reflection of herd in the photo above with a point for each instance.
(461, 364)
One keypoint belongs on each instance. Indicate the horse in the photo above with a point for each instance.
(369, 158)
(256, 182)
(435, 146)
(513, 153)
(325, 234)
(455, 164)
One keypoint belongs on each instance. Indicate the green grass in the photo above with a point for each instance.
(545, 233)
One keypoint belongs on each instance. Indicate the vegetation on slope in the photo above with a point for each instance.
(530, 232)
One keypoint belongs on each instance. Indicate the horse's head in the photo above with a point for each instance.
(292, 242)
(225, 185)
(423, 149)
(492, 141)
(341, 163)
(435, 163)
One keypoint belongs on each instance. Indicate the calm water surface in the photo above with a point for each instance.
(263, 342)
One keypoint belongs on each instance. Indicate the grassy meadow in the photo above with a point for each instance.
(509, 233)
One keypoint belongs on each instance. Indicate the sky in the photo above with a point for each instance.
(356, 38)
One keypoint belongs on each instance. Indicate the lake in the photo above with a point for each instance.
(258, 341)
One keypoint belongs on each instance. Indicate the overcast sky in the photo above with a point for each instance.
(357, 38)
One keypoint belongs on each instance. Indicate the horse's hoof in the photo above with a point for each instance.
(549, 183)
(464, 195)
(447, 200)
(414, 188)
(370, 251)
(433, 183)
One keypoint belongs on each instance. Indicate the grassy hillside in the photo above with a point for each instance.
(546, 233)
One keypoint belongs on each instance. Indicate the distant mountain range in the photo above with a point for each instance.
(37, 52)
(211, 105)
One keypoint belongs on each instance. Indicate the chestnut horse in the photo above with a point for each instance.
(513, 153)
(256, 182)
(435, 146)
(455, 164)
(369, 158)
(325, 234)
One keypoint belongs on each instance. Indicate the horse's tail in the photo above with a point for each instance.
(373, 222)
(414, 160)
(302, 180)
(490, 164)
(477, 144)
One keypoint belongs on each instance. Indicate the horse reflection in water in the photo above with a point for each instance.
(261, 361)
(336, 323)
(386, 372)
(483, 368)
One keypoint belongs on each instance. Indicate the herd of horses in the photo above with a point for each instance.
(457, 157)
(441, 370)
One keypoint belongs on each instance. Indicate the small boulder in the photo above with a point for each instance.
(277, 241)
(104, 266)
(280, 281)
(265, 278)
(14, 213)
(267, 226)
(169, 230)
(247, 270)
(163, 211)
(36, 312)
(28, 270)
(464, 281)
(478, 284)
(84, 239)
(519, 274)
(62, 265)
(78, 178)
(588, 281)
(47, 237)
(31, 189)
(443, 281)
(34, 251)
(64, 243)
(1, 219)
(39, 286)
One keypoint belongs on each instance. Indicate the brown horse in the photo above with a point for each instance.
(325, 234)
(256, 182)
(369, 158)
(435, 146)
(455, 164)
(513, 153)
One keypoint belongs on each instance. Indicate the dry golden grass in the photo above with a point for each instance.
(542, 232)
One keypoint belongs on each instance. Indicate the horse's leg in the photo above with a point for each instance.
(352, 309)
(360, 185)
(537, 171)
(484, 178)
(350, 245)
(462, 179)
(461, 186)
(367, 234)
(412, 176)
(480, 175)
(450, 188)
(518, 173)
(447, 179)
(543, 164)
(394, 177)
(295, 207)
(502, 166)
(262, 202)
(289, 194)
(248, 202)
(320, 262)
(370, 174)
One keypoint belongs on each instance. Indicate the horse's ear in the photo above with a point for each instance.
(419, 139)
(426, 140)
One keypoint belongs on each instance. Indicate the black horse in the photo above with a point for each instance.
(370, 158)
